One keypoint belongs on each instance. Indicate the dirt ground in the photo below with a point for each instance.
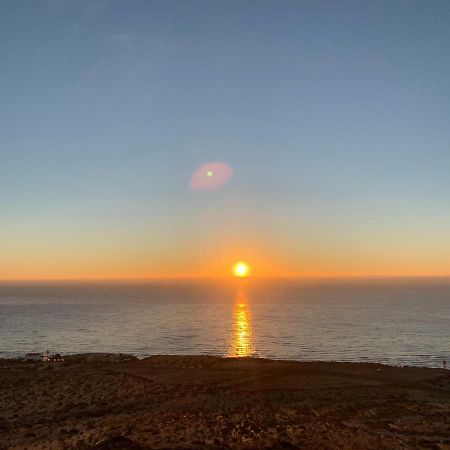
(199, 402)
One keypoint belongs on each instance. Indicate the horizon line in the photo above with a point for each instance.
(224, 277)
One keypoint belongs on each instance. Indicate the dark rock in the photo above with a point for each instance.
(117, 443)
(283, 445)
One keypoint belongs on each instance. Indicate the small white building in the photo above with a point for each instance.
(33, 356)
(52, 358)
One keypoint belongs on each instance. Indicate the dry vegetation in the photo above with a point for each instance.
(173, 402)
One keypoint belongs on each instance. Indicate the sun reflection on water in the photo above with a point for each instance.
(242, 339)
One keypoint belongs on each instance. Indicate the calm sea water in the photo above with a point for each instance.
(389, 321)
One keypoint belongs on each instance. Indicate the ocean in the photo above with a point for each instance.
(391, 321)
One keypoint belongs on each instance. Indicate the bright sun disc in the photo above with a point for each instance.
(241, 269)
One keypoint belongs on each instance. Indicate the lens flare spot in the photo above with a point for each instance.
(210, 176)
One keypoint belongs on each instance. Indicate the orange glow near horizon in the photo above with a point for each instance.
(112, 262)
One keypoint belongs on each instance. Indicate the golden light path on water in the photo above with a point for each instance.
(242, 338)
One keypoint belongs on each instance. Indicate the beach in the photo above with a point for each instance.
(108, 401)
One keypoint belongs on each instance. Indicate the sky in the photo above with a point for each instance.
(333, 116)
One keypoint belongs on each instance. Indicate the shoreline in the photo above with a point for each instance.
(110, 356)
(111, 401)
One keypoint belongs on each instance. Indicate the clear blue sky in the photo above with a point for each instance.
(334, 115)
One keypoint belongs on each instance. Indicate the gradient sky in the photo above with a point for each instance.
(334, 116)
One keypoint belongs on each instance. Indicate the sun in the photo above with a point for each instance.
(241, 269)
